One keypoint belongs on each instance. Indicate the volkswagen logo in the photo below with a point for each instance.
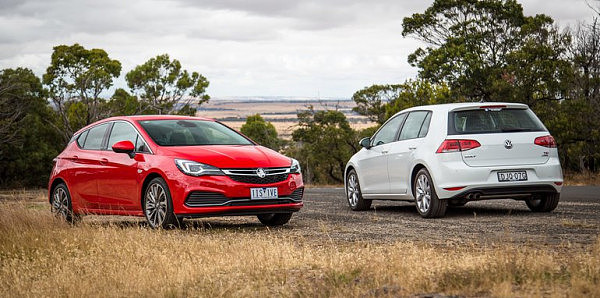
(508, 144)
(260, 172)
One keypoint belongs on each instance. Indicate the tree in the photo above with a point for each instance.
(417, 93)
(325, 143)
(162, 84)
(371, 101)
(28, 143)
(261, 131)
(79, 75)
(477, 46)
(122, 104)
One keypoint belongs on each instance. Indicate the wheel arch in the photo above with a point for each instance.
(413, 175)
(147, 180)
(55, 182)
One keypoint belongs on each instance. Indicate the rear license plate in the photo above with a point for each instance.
(263, 193)
(512, 176)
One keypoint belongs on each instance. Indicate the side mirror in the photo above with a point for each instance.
(365, 143)
(124, 147)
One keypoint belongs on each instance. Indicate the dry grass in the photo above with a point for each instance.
(41, 256)
(580, 179)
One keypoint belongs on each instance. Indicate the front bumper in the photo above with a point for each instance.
(220, 195)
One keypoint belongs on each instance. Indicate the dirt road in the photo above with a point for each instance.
(576, 220)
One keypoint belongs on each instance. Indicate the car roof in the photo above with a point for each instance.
(145, 118)
(465, 105)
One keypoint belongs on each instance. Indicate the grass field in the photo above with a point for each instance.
(41, 256)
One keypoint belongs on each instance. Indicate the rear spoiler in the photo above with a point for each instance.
(491, 106)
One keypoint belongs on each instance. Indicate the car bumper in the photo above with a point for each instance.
(220, 195)
(456, 179)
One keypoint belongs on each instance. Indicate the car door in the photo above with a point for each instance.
(401, 152)
(87, 164)
(373, 161)
(119, 183)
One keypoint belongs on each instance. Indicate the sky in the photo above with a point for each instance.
(315, 48)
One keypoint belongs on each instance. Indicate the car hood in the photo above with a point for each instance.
(230, 156)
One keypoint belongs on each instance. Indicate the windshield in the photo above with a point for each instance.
(192, 133)
(493, 121)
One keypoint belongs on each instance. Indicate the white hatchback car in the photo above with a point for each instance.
(451, 154)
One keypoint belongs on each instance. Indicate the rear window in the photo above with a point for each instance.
(493, 121)
(192, 133)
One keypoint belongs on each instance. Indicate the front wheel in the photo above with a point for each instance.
(274, 219)
(428, 203)
(158, 206)
(353, 193)
(543, 203)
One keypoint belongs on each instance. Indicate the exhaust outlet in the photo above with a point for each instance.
(476, 196)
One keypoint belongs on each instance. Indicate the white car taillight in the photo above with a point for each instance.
(545, 141)
(457, 145)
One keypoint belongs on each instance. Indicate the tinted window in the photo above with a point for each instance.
(387, 133)
(140, 145)
(412, 125)
(81, 138)
(95, 136)
(192, 133)
(493, 121)
(122, 131)
(425, 126)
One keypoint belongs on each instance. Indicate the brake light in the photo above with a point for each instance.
(457, 145)
(545, 141)
(493, 107)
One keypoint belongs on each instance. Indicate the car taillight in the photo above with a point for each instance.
(545, 141)
(457, 145)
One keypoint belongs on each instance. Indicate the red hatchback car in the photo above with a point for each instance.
(167, 168)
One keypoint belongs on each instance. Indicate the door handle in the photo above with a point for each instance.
(104, 160)
(412, 148)
(75, 157)
(384, 151)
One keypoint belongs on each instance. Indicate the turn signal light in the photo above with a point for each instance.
(545, 141)
(457, 145)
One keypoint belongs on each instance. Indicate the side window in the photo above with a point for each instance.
(140, 145)
(122, 131)
(425, 126)
(412, 125)
(387, 133)
(95, 136)
(81, 138)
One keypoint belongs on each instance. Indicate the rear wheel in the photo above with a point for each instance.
(428, 203)
(61, 205)
(543, 202)
(274, 219)
(158, 206)
(353, 193)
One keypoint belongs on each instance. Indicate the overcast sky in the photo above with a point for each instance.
(326, 48)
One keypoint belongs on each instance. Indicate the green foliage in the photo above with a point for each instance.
(79, 75)
(123, 104)
(162, 84)
(371, 101)
(418, 93)
(28, 143)
(325, 143)
(261, 131)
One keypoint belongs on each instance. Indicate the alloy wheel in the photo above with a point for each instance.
(60, 203)
(423, 192)
(353, 190)
(156, 205)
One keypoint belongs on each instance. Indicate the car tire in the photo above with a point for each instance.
(543, 203)
(61, 205)
(354, 194)
(427, 202)
(274, 219)
(158, 205)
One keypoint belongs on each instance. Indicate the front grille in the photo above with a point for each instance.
(201, 198)
(297, 194)
(257, 180)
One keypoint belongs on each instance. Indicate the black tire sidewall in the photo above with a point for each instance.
(170, 219)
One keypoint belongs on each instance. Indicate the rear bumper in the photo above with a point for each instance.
(515, 192)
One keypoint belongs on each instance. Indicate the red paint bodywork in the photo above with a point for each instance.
(106, 182)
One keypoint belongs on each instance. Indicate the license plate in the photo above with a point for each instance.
(263, 193)
(512, 176)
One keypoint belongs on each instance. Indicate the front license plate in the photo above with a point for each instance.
(512, 176)
(263, 193)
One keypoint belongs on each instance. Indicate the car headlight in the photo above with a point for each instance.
(193, 168)
(295, 167)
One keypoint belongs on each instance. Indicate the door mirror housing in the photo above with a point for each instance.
(365, 143)
(124, 147)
